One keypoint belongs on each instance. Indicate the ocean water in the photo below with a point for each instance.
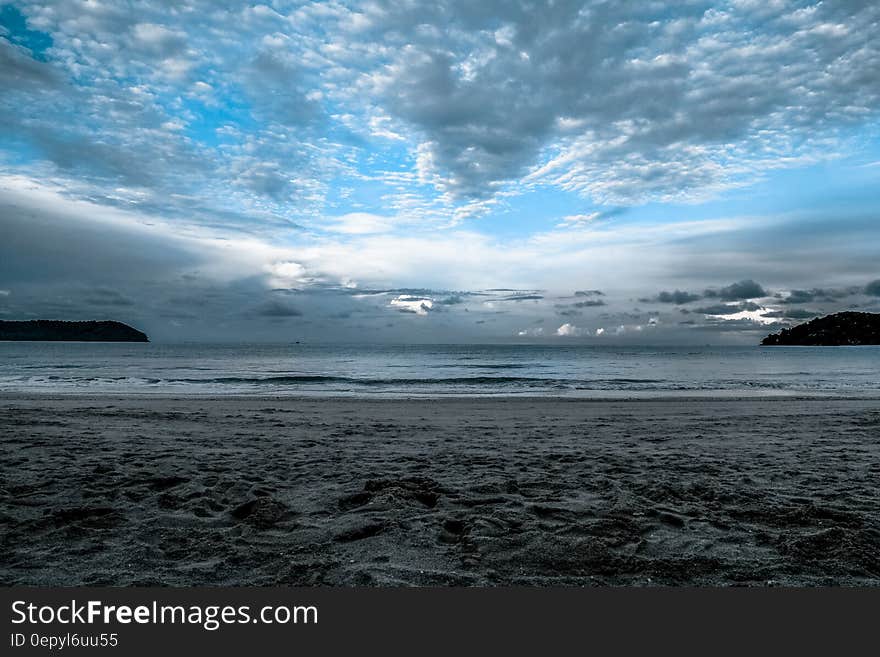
(371, 370)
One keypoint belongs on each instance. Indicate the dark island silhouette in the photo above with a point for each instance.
(60, 331)
(849, 328)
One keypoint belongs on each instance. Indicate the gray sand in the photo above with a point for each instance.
(125, 491)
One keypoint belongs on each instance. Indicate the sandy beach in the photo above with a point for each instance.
(263, 491)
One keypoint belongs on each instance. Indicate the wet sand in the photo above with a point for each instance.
(138, 491)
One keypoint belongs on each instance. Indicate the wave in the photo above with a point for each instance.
(336, 384)
(488, 366)
(305, 379)
(316, 378)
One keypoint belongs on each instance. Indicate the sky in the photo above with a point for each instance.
(440, 171)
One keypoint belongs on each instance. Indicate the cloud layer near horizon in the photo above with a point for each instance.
(110, 263)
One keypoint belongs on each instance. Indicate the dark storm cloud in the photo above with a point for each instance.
(799, 296)
(59, 265)
(817, 294)
(678, 297)
(873, 288)
(747, 289)
(40, 245)
(69, 261)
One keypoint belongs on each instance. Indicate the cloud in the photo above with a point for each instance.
(873, 288)
(799, 296)
(118, 99)
(57, 247)
(740, 325)
(412, 304)
(729, 309)
(158, 39)
(522, 297)
(435, 111)
(454, 300)
(277, 308)
(792, 313)
(359, 223)
(20, 71)
(274, 82)
(568, 330)
(106, 297)
(624, 102)
(747, 289)
(818, 294)
(579, 219)
(286, 274)
(677, 297)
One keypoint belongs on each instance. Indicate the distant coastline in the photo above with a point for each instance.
(62, 331)
(839, 329)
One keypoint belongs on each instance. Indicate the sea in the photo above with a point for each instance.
(586, 371)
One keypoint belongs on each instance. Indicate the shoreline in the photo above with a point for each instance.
(710, 396)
